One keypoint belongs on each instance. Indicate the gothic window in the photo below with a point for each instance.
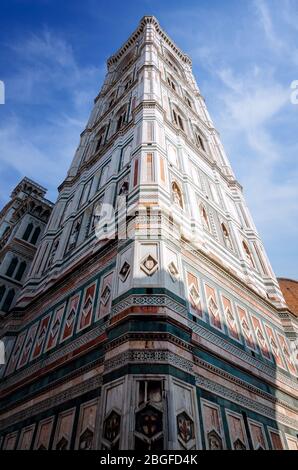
(28, 231)
(188, 100)
(20, 271)
(171, 83)
(248, 254)
(205, 219)
(200, 140)
(127, 83)
(2, 292)
(66, 211)
(120, 118)
(85, 193)
(100, 138)
(53, 252)
(35, 235)
(173, 63)
(111, 99)
(177, 195)
(74, 234)
(126, 156)
(178, 120)
(11, 268)
(8, 300)
(226, 236)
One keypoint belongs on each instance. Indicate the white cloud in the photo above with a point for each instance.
(40, 141)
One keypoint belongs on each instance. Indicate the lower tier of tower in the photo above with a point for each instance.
(149, 388)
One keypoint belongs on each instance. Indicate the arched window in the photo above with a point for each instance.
(178, 119)
(20, 271)
(188, 100)
(8, 300)
(127, 83)
(171, 83)
(28, 231)
(11, 268)
(35, 235)
(75, 233)
(199, 138)
(111, 99)
(100, 138)
(2, 292)
(226, 236)
(205, 218)
(177, 195)
(120, 118)
(248, 254)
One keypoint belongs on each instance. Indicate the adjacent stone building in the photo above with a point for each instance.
(22, 223)
(151, 318)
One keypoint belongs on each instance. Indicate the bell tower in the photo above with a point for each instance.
(151, 296)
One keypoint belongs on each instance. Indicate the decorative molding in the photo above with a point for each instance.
(77, 390)
(241, 400)
(270, 371)
(146, 356)
(53, 357)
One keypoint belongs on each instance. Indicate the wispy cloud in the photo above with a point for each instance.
(245, 75)
(58, 91)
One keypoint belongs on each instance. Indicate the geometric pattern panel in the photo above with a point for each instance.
(43, 436)
(213, 428)
(86, 426)
(257, 435)
(231, 320)
(258, 328)
(213, 309)
(55, 328)
(70, 317)
(26, 438)
(86, 312)
(237, 431)
(63, 430)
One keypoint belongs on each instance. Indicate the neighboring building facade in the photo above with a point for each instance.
(22, 223)
(170, 332)
(289, 288)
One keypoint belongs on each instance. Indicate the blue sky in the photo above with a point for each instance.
(245, 56)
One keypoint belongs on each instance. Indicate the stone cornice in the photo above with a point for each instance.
(145, 21)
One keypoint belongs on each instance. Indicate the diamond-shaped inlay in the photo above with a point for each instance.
(213, 307)
(230, 316)
(87, 306)
(149, 265)
(260, 336)
(194, 294)
(173, 270)
(246, 328)
(70, 317)
(124, 271)
(106, 293)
